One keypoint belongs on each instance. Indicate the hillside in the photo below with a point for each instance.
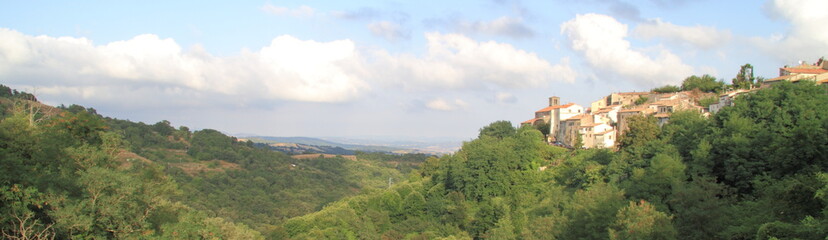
(755, 170)
(69, 172)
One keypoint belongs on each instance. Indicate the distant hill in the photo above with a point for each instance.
(430, 146)
(320, 143)
(298, 148)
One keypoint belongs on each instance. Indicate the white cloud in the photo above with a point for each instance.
(148, 68)
(503, 26)
(504, 97)
(301, 11)
(388, 30)
(443, 105)
(698, 36)
(601, 39)
(287, 69)
(806, 35)
(454, 61)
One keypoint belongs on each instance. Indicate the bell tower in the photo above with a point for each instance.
(554, 101)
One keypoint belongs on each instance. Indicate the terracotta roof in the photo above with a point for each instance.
(604, 110)
(550, 108)
(662, 115)
(671, 102)
(530, 120)
(805, 70)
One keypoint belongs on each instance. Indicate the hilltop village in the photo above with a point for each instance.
(600, 124)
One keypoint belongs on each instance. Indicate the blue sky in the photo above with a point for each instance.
(383, 68)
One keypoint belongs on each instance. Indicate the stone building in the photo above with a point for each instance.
(553, 114)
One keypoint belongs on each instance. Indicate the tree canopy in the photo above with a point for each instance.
(666, 89)
(705, 83)
(745, 79)
(757, 169)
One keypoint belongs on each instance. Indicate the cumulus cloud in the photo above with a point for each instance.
(388, 30)
(455, 61)
(156, 70)
(287, 69)
(806, 34)
(301, 11)
(443, 105)
(697, 36)
(602, 41)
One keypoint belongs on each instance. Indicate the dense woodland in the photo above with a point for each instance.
(69, 172)
(757, 170)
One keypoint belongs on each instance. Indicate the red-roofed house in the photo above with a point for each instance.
(554, 113)
(817, 72)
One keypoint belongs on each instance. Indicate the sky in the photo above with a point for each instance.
(373, 69)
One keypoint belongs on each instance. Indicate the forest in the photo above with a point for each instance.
(756, 170)
(70, 173)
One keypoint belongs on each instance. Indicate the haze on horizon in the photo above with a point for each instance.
(383, 68)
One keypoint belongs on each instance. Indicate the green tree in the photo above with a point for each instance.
(778, 131)
(23, 214)
(706, 102)
(209, 144)
(414, 204)
(744, 79)
(642, 221)
(685, 130)
(486, 171)
(700, 208)
(579, 142)
(705, 83)
(655, 183)
(503, 229)
(499, 129)
(592, 211)
(5, 91)
(163, 127)
(666, 89)
(487, 217)
(641, 129)
(641, 100)
(83, 125)
(543, 127)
